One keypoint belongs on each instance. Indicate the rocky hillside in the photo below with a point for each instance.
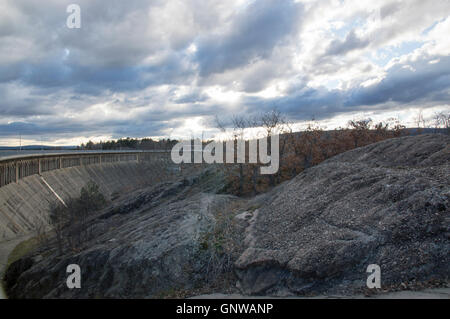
(159, 242)
(385, 204)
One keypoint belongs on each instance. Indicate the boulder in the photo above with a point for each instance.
(386, 204)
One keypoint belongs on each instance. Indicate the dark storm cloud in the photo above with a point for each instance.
(303, 104)
(60, 127)
(95, 79)
(94, 57)
(418, 81)
(253, 34)
(350, 43)
(405, 83)
(37, 129)
(191, 98)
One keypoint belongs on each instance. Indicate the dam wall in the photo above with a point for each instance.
(30, 184)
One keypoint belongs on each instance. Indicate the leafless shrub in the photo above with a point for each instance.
(420, 121)
(301, 150)
(220, 244)
(40, 228)
(70, 221)
(442, 120)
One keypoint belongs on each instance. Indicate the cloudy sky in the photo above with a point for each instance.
(157, 68)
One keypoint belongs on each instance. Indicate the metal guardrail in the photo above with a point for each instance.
(14, 168)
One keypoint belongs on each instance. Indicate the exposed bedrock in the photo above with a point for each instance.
(385, 204)
(150, 244)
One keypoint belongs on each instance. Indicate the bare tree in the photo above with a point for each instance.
(71, 220)
(220, 125)
(58, 220)
(274, 123)
(40, 229)
(240, 124)
(420, 121)
(442, 120)
(360, 131)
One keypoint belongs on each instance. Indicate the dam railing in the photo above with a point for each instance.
(14, 168)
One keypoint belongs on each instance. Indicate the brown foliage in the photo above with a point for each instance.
(301, 150)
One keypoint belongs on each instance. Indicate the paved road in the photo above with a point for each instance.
(4, 154)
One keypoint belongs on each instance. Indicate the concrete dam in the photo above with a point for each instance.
(29, 184)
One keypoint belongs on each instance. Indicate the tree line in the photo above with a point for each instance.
(297, 150)
(130, 144)
(300, 150)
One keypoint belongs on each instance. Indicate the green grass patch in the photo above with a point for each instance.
(21, 250)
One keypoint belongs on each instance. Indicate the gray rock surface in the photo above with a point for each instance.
(385, 204)
(146, 246)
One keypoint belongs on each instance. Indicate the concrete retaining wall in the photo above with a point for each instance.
(25, 203)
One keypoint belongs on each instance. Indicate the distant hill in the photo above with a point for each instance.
(36, 147)
(409, 131)
(416, 131)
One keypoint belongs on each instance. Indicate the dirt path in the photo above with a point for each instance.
(6, 247)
